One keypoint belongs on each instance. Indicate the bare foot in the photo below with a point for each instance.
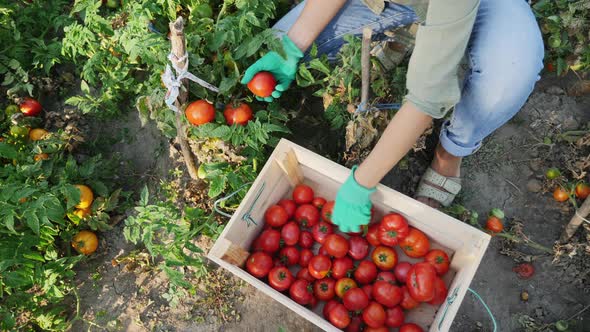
(444, 164)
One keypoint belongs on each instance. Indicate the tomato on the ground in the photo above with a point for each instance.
(392, 229)
(387, 294)
(339, 316)
(342, 267)
(439, 260)
(319, 266)
(524, 270)
(239, 115)
(305, 255)
(355, 299)
(280, 278)
(374, 314)
(343, 285)
(420, 281)
(365, 272)
(289, 255)
(321, 230)
(200, 112)
(336, 245)
(305, 239)
(276, 216)
(373, 235)
(307, 215)
(359, 248)
(301, 291)
(289, 206)
(384, 258)
(494, 225)
(440, 292)
(262, 84)
(401, 271)
(303, 194)
(327, 212)
(324, 289)
(259, 264)
(290, 233)
(394, 317)
(416, 244)
(318, 202)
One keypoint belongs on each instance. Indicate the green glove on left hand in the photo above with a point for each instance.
(283, 69)
(352, 207)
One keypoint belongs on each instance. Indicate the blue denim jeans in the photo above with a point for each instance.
(505, 55)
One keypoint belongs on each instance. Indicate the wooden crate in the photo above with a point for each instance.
(290, 164)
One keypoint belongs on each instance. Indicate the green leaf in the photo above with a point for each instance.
(144, 196)
(317, 64)
(227, 83)
(8, 151)
(217, 186)
(9, 222)
(32, 220)
(72, 195)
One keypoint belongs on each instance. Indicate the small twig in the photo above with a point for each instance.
(579, 312)
(526, 241)
(576, 221)
(515, 187)
(365, 66)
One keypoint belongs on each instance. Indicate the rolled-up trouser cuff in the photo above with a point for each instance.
(454, 148)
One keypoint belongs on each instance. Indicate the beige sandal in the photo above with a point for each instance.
(430, 179)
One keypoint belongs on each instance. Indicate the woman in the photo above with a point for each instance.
(504, 48)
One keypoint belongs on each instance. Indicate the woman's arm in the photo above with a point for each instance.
(400, 135)
(313, 19)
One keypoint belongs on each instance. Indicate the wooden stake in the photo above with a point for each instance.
(576, 221)
(178, 42)
(365, 66)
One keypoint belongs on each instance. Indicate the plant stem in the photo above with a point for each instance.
(221, 13)
(529, 243)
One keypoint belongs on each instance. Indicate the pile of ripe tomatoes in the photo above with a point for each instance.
(359, 276)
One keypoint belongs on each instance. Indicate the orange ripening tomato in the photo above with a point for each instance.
(41, 156)
(494, 225)
(560, 195)
(38, 134)
(582, 190)
(262, 84)
(239, 115)
(86, 196)
(85, 242)
(200, 112)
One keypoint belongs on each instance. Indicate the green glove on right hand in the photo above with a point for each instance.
(352, 207)
(283, 70)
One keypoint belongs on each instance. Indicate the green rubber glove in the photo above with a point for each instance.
(353, 205)
(284, 70)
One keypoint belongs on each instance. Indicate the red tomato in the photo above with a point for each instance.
(328, 307)
(408, 301)
(439, 260)
(323, 251)
(524, 270)
(31, 107)
(318, 202)
(304, 274)
(342, 267)
(289, 255)
(376, 329)
(262, 84)
(355, 324)
(582, 190)
(307, 215)
(440, 292)
(374, 314)
(303, 194)
(259, 264)
(420, 282)
(387, 294)
(199, 112)
(368, 289)
(289, 206)
(339, 316)
(416, 244)
(327, 212)
(305, 239)
(290, 233)
(305, 255)
(237, 115)
(392, 229)
(313, 303)
(321, 230)
(257, 244)
(336, 245)
(270, 241)
(386, 276)
(494, 225)
(394, 317)
(384, 257)
(319, 266)
(410, 327)
(324, 289)
(344, 285)
(373, 235)
(359, 248)
(365, 272)
(355, 299)
(401, 271)
(301, 291)
(280, 278)
(560, 194)
(276, 216)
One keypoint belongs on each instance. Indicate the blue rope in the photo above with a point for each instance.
(216, 204)
(361, 107)
(485, 306)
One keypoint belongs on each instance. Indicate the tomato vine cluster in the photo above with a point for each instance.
(359, 278)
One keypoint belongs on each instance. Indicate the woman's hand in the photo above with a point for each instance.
(352, 208)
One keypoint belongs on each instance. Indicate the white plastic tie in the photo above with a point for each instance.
(173, 83)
